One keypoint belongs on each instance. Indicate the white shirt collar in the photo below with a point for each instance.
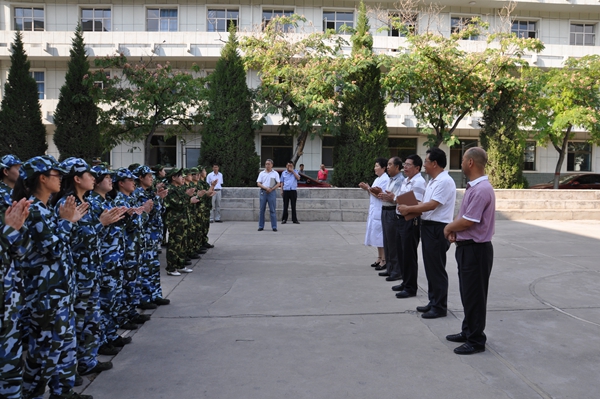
(475, 182)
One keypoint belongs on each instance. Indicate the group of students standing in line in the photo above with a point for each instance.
(396, 230)
(80, 249)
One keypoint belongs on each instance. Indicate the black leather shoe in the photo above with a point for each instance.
(108, 350)
(148, 306)
(195, 256)
(468, 349)
(260, 229)
(274, 229)
(404, 294)
(392, 278)
(78, 380)
(384, 274)
(129, 326)
(424, 309)
(162, 301)
(283, 221)
(98, 368)
(460, 337)
(381, 267)
(296, 222)
(140, 319)
(188, 262)
(207, 245)
(432, 314)
(398, 287)
(375, 264)
(121, 342)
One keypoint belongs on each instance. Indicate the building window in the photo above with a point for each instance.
(95, 19)
(402, 147)
(277, 148)
(583, 34)
(327, 145)
(268, 15)
(39, 79)
(524, 29)
(161, 20)
(29, 19)
(164, 151)
(220, 20)
(529, 156)
(579, 157)
(458, 24)
(457, 151)
(336, 19)
(192, 157)
(400, 25)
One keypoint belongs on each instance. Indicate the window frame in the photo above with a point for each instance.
(593, 24)
(402, 151)
(159, 7)
(222, 7)
(327, 147)
(157, 146)
(526, 151)
(32, 72)
(469, 143)
(462, 18)
(93, 19)
(265, 22)
(413, 27)
(276, 157)
(572, 154)
(336, 11)
(31, 7)
(536, 21)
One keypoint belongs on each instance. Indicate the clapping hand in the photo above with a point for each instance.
(162, 192)
(190, 191)
(16, 214)
(71, 212)
(110, 216)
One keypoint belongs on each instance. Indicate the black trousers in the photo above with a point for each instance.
(434, 246)
(289, 196)
(392, 246)
(474, 268)
(410, 234)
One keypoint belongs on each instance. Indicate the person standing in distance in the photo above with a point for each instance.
(437, 211)
(472, 231)
(268, 181)
(322, 174)
(216, 199)
(289, 186)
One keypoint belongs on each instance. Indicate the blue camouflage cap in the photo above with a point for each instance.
(142, 170)
(10, 160)
(39, 164)
(100, 170)
(75, 165)
(122, 174)
(2, 166)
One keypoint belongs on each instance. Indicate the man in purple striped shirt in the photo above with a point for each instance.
(472, 231)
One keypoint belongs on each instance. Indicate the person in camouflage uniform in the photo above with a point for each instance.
(207, 202)
(85, 248)
(124, 186)
(112, 253)
(200, 219)
(192, 229)
(14, 245)
(9, 173)
(49, 282)
(177, 221)
(150, 270)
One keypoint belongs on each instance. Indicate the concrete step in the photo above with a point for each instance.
(544, 214)
(519, 204)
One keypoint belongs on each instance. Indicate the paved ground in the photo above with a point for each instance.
(300, 314)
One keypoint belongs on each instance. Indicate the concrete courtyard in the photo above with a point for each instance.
(300, 314)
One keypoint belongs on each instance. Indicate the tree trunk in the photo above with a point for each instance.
(561, 157)
(148, 147)
(301, 141)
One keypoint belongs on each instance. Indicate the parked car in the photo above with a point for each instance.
(307, 181)
(587, 181)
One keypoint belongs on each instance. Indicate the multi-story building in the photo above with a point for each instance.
(185, 32)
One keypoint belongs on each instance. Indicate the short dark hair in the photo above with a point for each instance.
(382, 162)
(396, 161)
(290, 161)
(301, 165)
(437, 155)
(417, 161)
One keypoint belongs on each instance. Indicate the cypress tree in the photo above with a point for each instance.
(76, 115)
(363, 131)
(228, 135)
(21, 129)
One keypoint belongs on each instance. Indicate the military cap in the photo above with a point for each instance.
(194, 171)
(75, 165)
(157, 168)
(174, 172)
(10, 160)
(39, 164)
(122, 174)
(2, 166)
(142, 171)
(133, 166)
(100, 170)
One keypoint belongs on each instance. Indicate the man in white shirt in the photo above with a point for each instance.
(268, 181)
(410, 230)
(215, 213)
(437, 211)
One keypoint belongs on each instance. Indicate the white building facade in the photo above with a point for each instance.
(186, 32)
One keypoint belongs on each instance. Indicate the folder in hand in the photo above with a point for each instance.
(408, 199)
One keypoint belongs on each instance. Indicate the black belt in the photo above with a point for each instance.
(432, 223)
(216, 189)
(468, 242)
(388, 208)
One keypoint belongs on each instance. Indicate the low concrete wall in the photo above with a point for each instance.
(351, 204)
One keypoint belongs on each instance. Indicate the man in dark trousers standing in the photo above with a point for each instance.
(472, 231)
(289, 185)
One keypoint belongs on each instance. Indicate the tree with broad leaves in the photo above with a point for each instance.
(76, 115)
(569, 98)
(228, 134)
(363, 131)
(144, 98)
(299, 74)
(21, 129)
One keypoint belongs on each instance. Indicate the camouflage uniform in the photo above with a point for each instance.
(7, 161)
(192, 228)
(176, 220)
(48, 286)
(205, 208)
(14, 245)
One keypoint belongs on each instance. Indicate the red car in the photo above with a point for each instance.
(588, 181)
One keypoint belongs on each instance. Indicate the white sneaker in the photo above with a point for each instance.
(185, 270)
(173, 273)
